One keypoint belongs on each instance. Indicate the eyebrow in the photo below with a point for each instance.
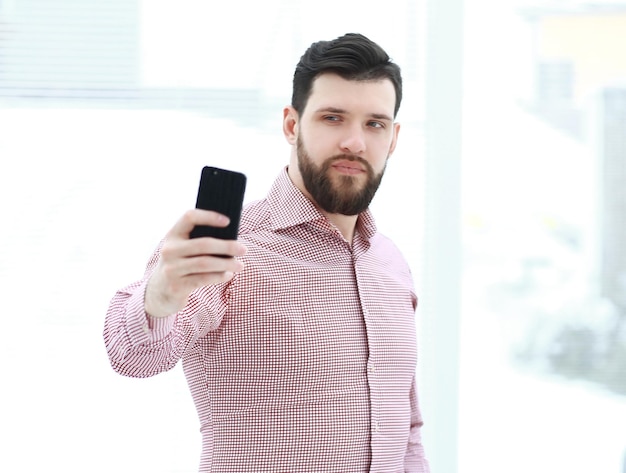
(377, 116)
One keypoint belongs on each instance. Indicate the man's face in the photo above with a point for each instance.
(338, 192)
(342, 142)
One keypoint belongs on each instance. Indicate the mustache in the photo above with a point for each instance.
(347, 157)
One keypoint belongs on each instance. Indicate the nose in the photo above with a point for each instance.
(353, 141)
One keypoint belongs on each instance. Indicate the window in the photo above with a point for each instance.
(108, 111)
(542, 325)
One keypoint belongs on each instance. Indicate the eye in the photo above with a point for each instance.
(331, 118)
(376, 124)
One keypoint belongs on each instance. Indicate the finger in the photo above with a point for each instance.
(213, 246)
(179, 258)
(174, 248)
(194, 217)
(195, 281)
(207, 265)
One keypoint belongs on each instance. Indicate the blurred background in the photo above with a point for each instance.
(507, 194)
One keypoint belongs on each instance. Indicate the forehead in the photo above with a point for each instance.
(371, 97)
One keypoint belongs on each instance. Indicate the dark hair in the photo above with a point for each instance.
(352, 57)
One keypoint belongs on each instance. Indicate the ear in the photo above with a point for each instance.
(394, 139)
(290, 124)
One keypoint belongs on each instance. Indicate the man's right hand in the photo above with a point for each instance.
(189, 263)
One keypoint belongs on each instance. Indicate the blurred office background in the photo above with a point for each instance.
(507, 194)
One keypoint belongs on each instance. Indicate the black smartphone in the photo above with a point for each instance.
(220, 190)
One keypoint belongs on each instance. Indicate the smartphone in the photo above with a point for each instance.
(223, 191)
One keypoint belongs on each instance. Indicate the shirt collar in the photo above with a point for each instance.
(290, 207)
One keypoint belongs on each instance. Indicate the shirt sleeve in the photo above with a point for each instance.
(415, 460)
(139, 345)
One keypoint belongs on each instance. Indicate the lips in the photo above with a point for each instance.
(348, 167)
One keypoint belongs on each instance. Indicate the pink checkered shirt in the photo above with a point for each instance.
(305, 361)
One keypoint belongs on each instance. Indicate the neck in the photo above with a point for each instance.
(344, 223)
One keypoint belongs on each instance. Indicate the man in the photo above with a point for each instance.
(300, 350)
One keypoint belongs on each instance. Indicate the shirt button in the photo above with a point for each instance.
(371, 369)
(146, 329)
(376, 426)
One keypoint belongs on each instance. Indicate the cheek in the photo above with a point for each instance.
(380, 152)
(389, 146)
(318, 145)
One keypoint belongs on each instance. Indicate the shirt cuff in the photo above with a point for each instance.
(143, 328)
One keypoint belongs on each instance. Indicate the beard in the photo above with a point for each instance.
(343, 195)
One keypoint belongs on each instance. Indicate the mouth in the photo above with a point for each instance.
(350, 168)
